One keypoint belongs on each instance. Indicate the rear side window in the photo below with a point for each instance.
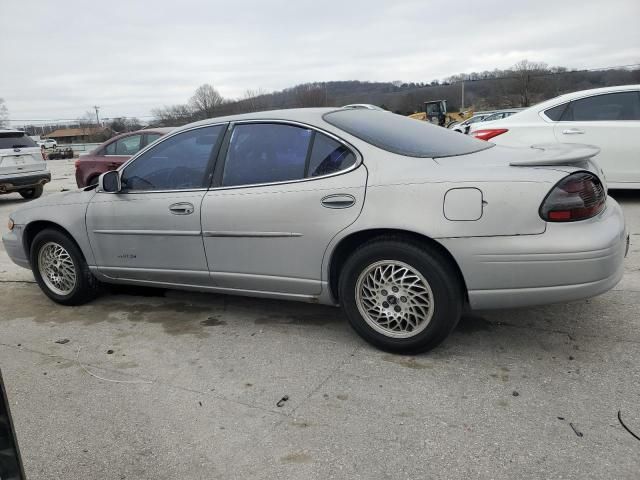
(266, 153)
(611, 106)
(403, 135)
(328, 156)
(15, 140)
(555, 113)
(152, 137)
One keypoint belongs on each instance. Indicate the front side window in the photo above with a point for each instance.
(178, 163)
(266, 153)
(611, 106)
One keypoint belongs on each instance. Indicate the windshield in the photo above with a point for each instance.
(403, 135)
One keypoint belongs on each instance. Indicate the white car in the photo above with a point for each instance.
(463, 127)
(48, 143)
(608, 118)
(22, 167)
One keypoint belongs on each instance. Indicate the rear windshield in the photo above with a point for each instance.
(15, 140)
(403, 135)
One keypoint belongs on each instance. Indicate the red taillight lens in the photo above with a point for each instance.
(77, 163)
(576, 197)
(487, 133)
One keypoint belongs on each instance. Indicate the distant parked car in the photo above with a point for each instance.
(608, 118)
(113, 153)
(47, 143)
(22, 165)
(366, 106)
(500, 114)
(463, 127)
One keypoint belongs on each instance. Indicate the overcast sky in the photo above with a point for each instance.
(58, 58)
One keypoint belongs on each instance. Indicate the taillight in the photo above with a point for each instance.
(487, 133)
(44, 156)
(77, 163)
(576, 197)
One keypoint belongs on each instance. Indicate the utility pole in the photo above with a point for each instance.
(97, 116)
(462, 101)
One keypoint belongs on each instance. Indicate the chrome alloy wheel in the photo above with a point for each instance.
(394, 299)
(56, 268)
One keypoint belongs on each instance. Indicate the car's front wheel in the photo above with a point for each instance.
(400, 296)
(61, 270)
(32, 193)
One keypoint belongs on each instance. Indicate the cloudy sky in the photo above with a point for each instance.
(61, 57)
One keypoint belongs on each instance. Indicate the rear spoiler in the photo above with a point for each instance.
(559, 154)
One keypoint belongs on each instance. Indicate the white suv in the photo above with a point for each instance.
(48, 143)
(22, 166)
(606, 117)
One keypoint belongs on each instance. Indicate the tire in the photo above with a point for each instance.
(434, 280)
(32, 193)
(84, 286)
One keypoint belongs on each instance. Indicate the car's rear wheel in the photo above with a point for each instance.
(32, 193)
(61, 270)
(400, 296)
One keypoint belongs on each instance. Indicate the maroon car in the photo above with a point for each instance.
(113, 153)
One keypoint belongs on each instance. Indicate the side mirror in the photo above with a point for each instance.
(109, 182)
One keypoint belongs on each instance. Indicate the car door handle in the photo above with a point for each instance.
(573, 131)
(340, 200)
(182, 208)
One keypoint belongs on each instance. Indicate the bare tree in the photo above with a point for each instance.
(524, 70)
(311, 95)
(205, 101)
(125, 124)
(4, 114)
(255, 100)
(173, 115)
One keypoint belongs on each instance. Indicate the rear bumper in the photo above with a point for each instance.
(570, 261)
(20, 181)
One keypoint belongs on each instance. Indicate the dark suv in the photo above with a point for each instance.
(113, 153)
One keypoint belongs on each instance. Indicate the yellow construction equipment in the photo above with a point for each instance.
(435, 111)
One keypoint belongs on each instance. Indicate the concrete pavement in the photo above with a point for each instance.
(160, 385)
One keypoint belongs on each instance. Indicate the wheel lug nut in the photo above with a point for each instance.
(403, 299)
(385, 304)
(397, 308)
(395, 289)
(384, 292)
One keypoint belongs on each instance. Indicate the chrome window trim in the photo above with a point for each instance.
(295, 123)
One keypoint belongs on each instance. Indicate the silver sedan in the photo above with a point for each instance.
(402, 223)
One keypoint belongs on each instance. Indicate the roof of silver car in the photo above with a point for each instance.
(295, 114)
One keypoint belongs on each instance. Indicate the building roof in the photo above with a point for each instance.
(76, 132)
